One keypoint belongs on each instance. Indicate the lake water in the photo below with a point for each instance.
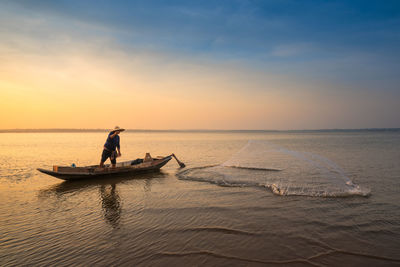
(244, 199)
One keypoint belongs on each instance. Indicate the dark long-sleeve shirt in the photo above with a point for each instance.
(112, 143)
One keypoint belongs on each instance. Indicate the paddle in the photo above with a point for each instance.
(181, 164)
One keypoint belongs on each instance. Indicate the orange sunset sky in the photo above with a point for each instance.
(192, 67)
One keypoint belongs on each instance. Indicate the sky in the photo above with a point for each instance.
(273, 65)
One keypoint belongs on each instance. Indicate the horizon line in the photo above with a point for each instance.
(54, 130)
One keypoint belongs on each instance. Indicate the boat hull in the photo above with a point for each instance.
(93, 172)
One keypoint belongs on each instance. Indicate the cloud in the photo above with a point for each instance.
(288, 50)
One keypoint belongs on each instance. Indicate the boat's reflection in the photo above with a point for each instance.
(111, 203)
(83, 185)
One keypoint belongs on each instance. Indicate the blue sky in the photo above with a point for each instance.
(351, 46)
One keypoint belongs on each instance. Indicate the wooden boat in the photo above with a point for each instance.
(147, 164)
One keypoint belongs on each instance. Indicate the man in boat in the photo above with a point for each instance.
(111, 147)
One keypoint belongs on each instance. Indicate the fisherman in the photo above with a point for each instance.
(111, 147)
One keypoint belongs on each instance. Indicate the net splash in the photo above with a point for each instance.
(285, 172)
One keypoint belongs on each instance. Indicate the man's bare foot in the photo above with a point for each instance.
(100, 168)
